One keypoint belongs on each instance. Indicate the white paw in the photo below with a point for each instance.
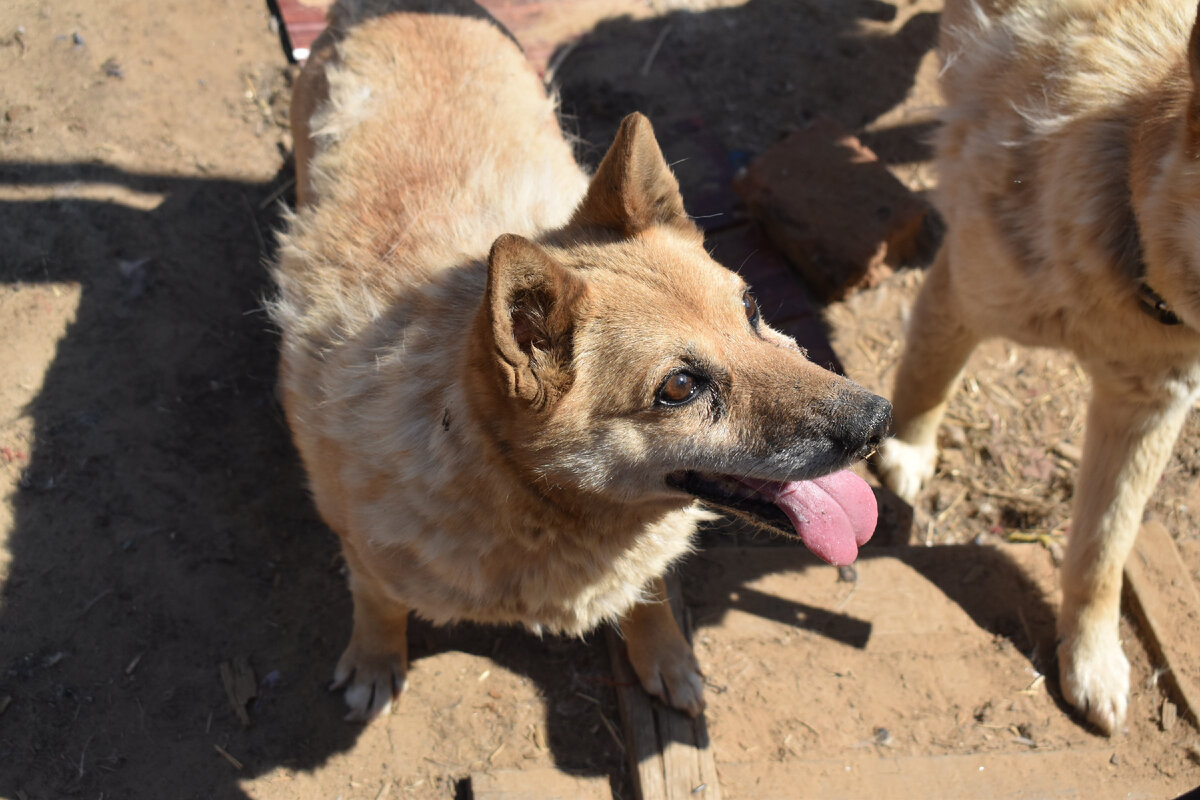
(371, 681)
(905, 467)
(1094, 675)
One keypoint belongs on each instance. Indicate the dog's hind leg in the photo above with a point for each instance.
(937, 347)
(1129, 439)
(661, 656)
(373, 667)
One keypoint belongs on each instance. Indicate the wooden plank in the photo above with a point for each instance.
(1165, 600)
(688, 760)
(637, 720)
(906, 682)
(669, 753)
(1037, 775)
(537, 784)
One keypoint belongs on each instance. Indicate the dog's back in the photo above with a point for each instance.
(395, 211)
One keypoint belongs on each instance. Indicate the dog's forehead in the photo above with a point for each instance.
(655, 303)
(657, 268)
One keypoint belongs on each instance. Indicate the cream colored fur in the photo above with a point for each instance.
(1069, 138)
(474, 333)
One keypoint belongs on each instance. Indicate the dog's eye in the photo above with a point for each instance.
(679, 388)
(751, 306)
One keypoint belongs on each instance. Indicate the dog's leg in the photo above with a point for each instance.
(373, 667)
(661, 656)
(937, 347)
(1128, 442)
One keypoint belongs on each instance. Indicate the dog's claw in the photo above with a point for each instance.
(371, 681)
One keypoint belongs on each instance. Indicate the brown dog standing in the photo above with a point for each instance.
(510, 384)
(1070, 183)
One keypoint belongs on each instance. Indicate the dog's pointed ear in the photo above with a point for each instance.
(531, 304)
(633, 188)
(1193, 109)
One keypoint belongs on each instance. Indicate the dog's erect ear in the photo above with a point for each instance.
(633, 189)
(1193, 110)
(531, 302)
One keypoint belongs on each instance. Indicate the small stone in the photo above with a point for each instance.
(1167, 716)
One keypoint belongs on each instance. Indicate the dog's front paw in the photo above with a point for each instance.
(905, 467)
(670, 672)
(371, 680)
(1094, 675)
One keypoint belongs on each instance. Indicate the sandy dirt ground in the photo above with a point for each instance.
(155, 530)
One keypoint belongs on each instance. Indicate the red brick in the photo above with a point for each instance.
(826, 201)
(303, 21)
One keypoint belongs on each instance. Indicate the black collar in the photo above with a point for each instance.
(1148, 300)
(1152, 303)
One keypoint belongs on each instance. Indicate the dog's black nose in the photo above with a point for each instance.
(858, 421)
(880, 414)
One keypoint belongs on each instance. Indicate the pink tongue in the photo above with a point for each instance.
(833, 515)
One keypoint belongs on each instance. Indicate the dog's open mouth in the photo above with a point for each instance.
(833, 515)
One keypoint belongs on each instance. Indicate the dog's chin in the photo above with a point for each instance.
(729, 493)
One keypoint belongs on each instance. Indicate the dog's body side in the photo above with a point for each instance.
(1069, 181)
(477, 347)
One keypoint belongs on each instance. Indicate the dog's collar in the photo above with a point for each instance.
(1152, 303)
(1148, 300)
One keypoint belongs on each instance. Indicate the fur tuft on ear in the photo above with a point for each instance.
(1193, 109)
(633, 188)
(531, 302)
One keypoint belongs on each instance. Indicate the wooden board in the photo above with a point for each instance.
(1164, 598)
(907, 681)
(1022, 776)
(670, 755)
(537, 784)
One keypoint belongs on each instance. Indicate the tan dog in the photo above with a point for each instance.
(1070, 184)
(510, 384)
